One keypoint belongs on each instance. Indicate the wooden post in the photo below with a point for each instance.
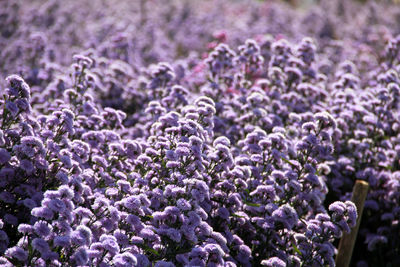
(143, 12)
(347, 241)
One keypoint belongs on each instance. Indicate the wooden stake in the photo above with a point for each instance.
(347, 241)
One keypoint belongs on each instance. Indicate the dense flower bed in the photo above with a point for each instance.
(234, 153)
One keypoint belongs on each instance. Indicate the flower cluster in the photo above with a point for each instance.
(145, 150)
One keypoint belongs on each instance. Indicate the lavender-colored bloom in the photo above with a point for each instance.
(267, 190)
(40, 245)
(197, 262)
(29, 203)
(10, 219)
(12, 108)
(4, 237)
(4, 156)
(134, 221)
(286, 215)
(80, 257)
(273, 262)
(42, 212)
(62, 241)
(29, 143)
(344, 225)
(352, 213)
(7, 197)
(82, 235)
(183, 204)
(57, 205)
(65, 192)
(42, 228)
(17, 253)
(164, 264)
(223, 213)
(132, 202)
(326, 249)
(374, 240)
(215, 253)
(137, 240)
(244, 254)
(173, 164)
(148, 234)
(174, 235)
(50, 194)
(309, 126)
(159, 216)
(125, 259)
(27, 166)
(23, 105)
(142, 260)
(110, 243)
(338, 208)
(182, 151)
(121, 237)
(25, 228)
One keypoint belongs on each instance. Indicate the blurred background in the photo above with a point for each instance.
(45, 34)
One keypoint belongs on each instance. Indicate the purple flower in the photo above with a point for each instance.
(40, 245)
(374, 240)
(7, 197)
(351, 213)
(286, 215)
(57, 205)
(164, 264)
(215, 253)
(338, 208)
(82, 235)
(42, 228)
(27, 166)
(223, 213)
(244, 254)
(137, 240)
(12, 108)
(4, 156)
(65, 192)
(182, 151)
(142, 260)
(309, 126)
(80, 257)
(273, 262)
(125, 259)
(183, 204)
(10, 219)
(29, 203)
(23, 105)
(62, 241)
(174, 235)
(25, 228)
(148, 234)
(42, 212)
(17, 253)
(18, 86)
(134, 221)
(121, 237)
(110, 243)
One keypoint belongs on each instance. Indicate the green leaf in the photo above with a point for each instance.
(152, 250)
(149, 249)
(296, 249)
(252, 204)
(287, 161)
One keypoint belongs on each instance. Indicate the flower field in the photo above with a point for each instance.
(198, 133)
